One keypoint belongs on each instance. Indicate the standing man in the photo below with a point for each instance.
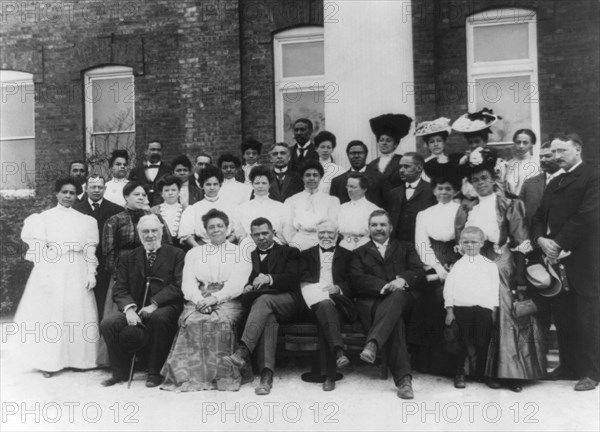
(79, 171)
(357, 155)
(303, 149)
(411, 197)
(385, 273)
(202, 161)
(96, 206)
(150, 172)
(568, 221)
(287, 180)
(149, 326)
(273, 295)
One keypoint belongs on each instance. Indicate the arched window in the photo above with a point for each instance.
(299, 79)
(109, 94)
(502, 69)
(17, 134)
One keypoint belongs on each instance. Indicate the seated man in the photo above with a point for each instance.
(325, 289)
(273, 294)
(384, 274)
(148, 294)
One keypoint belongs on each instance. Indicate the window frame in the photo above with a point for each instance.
(504, 68)
(301, 83)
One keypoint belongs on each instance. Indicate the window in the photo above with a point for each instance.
(299, 80)
(502, 69)
(17, 134)
(109, 111)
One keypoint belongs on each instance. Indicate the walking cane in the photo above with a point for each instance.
(148, 280)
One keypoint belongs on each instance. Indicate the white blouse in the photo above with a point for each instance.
(517, 171)
(484, 215)
(209, 264)
(171, 214)
(436, 222)
(114, 191)
(332, 170)
(353, 222)
(191, 219)
(234, 191)
(260, 207)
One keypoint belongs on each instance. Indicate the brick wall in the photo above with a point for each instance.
(568, 63)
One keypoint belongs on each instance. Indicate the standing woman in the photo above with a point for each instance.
(325, 143)
(171, 209)
(521, 166)
(434, 134)
(261, 205)
(307, 208)
(214, 276)
(62, 245)
(389, 129)
(520, 352)
(119, 168)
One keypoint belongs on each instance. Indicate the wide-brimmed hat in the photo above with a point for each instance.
(395, 125)
(475, 122)
(544, 279)
(433, 127)
(132, 338)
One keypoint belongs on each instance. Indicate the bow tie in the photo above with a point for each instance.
(264, 252)
(331, 249)
(409, 186)
(154, 165)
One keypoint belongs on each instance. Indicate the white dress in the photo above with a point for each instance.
(235, 191)
(304, 211)
(332, 170)
(262, 206)
(353, 222)
(114, 191)
(191, 219)
(436, 222)
(56, 302)
(517, 171)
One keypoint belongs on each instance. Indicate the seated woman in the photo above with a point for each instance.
(306, 208)
(191, 230)
(325, 143)
(522, 165)
(353, 219)
(60, 290)
(434, 242)
(261, 205)
(171, 209)
(434, 134)
(520, 353)
(214, 276)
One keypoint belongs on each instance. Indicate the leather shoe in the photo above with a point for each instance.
(516, 387)
(239, 358)
(112, 381)
(460, 382)
(154, 380)
(586, 384)
(342, 361)
(266, 383)
(369, 353)
(47, 374)
(561, 373)
(492, 383)
(328, 384)
(405, 390)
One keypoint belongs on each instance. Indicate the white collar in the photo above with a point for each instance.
(280, 170)
(414, 184)
(362, 170)
(575, 166)
(384, 244)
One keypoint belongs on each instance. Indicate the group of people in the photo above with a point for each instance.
(454, 263)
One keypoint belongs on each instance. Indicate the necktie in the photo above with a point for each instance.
(331, 249)
(151, 258)
(96, 206)
(562, 178)
(154, 166)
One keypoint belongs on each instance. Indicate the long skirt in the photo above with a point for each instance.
(196, 358)
(517, 351)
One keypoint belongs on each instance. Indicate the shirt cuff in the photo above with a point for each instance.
(130, 306)
(270, 280)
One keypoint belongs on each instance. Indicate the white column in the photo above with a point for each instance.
(369, 62)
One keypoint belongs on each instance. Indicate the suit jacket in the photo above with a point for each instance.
(131, 278)
(105, 211)
(570, 208)
(369, 271)
(391, 173)
(531, 195)
(139, 174)
(404, 212)
(310, 268)
(296, 162)
(283, 269)
(374, 192)
(291, 185)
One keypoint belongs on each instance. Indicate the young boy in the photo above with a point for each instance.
(471, 297)
(251, 149)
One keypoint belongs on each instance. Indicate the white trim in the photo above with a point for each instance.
(11, 76)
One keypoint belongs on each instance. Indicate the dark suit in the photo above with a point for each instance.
(278, 303)
(570, 209)
(531, 195)
(404, 212)
(391, 174)
(326, 313)
(296, 161)
(129, 289)
(138, 174)
(374, 192)
(106, 210)
(384, 316)
(290, 185)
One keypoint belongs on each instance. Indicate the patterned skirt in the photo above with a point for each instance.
(196, 358)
